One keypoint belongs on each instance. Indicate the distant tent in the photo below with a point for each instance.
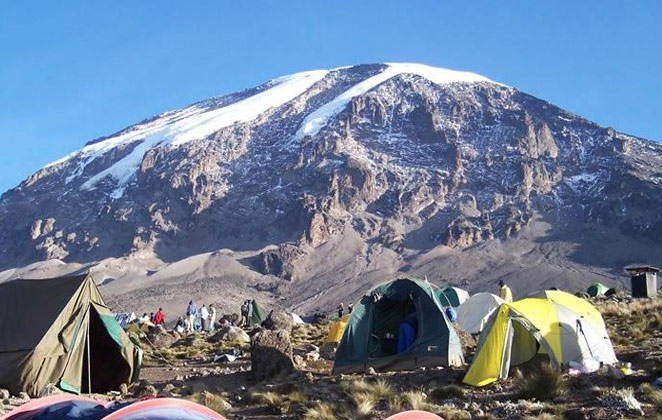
(297, 319)
(371, 335)
(44, 326)
(474, 313)
(597, 289)
(559, 325)
(258, 314)
(124, 318)
(70, 407)
(452, 296)
(336, 329)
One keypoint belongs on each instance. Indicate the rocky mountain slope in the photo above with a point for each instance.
(312, 187)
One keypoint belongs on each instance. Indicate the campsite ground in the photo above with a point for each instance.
(312, 392)
(186, 369)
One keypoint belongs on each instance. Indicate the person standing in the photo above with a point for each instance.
(212, 317)
(244, 314)
(204, 317)
(249, 313)
(505, 292)
(350, 308)
(341, 310)
(191, 312)
(159, 317)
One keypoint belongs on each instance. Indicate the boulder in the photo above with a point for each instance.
(279, 320)
(328, 351)
(271, 354)
(4, 394)
(144, 389)
(161, 338)
(233, 334)
(50, 389)
(124, 389)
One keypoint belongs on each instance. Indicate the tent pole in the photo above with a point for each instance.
(89, 369)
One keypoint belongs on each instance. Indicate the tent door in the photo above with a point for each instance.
(107, 363)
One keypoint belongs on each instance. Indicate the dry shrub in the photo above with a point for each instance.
(364, 395)
(212, 401)
(545, 383)
(543, 416)
(276, 403)
(447, 392)
(452, 413)
(321, 411)
(415, 400)
(652, 395)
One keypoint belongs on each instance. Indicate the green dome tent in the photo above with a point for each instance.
(371, 335)
(597, 289)
(257, 314)
(451, 296)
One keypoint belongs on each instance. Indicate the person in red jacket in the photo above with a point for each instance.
(159, 317)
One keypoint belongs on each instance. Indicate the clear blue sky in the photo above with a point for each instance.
(71, 71)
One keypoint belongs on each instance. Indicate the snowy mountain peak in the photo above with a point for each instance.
(196, 122)
(396, 158)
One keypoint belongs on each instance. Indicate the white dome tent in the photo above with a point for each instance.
(473, 314)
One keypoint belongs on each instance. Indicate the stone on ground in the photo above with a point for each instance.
(271, 354)
(161, 338)
(232, 334)
(279, 320)
(328, 351)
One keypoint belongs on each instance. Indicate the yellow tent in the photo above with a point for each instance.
(337, 329)
(562, 326)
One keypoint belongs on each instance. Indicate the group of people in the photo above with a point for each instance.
(341, 309)
(246, 310)
(202, 320)
(157, 318)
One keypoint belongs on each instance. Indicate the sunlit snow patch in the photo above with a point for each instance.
(190, 124)
(314, 122)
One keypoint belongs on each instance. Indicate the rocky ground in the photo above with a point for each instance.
(189, 367)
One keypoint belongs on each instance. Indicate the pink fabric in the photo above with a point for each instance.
(157, 403)
(415, 415)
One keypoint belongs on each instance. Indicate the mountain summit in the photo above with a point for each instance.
(314, 185)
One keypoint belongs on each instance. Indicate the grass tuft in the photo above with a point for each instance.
(447, 392)
(543, 384)
(212, 401)
(321, 411)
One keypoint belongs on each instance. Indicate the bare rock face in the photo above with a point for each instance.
(271, 354)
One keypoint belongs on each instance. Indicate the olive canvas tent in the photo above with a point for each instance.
(370, 338)
(474, 313)
(559, 325)
(452, 296)
(59, 331)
